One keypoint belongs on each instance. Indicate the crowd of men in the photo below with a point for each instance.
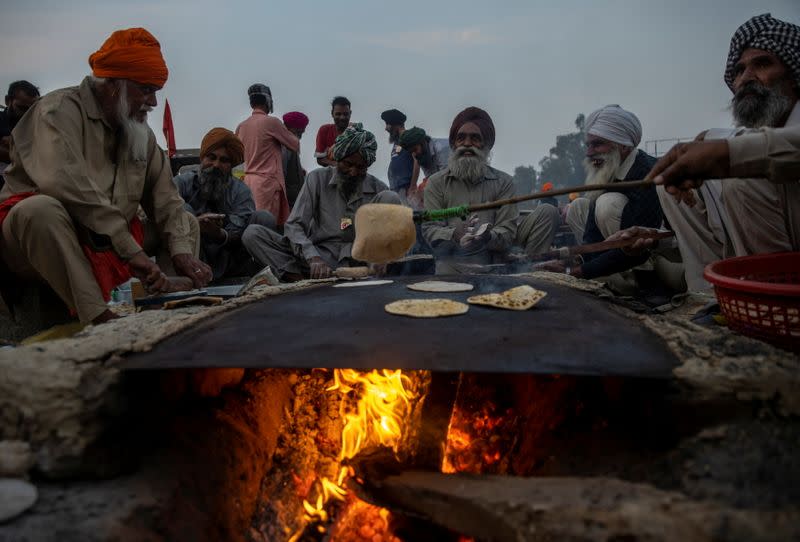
(89, 197)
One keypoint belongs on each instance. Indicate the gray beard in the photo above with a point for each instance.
(213, 184)
(605, 173)
(468, 168)
(135, 134)
(348, 186)
(768, 107)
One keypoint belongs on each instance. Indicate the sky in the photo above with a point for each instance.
(532, 65)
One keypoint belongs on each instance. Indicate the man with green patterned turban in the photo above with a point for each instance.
(318, 236)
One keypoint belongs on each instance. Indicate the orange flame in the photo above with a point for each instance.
(383, 406)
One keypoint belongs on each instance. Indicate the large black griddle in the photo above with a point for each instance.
(568, 332)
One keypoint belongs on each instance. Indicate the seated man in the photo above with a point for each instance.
(82, 161)
(223, 205)
(469, 179)
(721, 218)
(319, 233)
(612, 135)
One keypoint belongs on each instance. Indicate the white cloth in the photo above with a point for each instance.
(615, 124)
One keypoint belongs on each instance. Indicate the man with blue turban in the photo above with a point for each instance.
(318, 237)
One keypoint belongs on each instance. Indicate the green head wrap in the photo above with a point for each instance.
(412, 137)
(355, 139)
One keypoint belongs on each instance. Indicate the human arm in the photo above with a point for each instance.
(298, 227)
(504, 230)
(440, 231)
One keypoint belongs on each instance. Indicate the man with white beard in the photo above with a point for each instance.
(612, 135)
(83, 161)
(485, 237)
(736, 217)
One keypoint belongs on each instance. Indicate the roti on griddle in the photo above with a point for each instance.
(426, 308)
(440, 286)
(520, 298)
(359, 283)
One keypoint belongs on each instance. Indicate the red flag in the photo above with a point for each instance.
(169, 130)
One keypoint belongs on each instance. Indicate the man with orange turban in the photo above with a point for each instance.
(223, 205)
(82, 162)
(487, 236)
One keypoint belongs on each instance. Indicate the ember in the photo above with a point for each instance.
(480, 431)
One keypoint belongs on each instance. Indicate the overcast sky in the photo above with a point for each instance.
(532, 65)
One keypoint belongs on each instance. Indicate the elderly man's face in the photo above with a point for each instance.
(341, 116)
(469, 135)
(764, 90)
(141, 99)
(18, 104)
(765, 68)
(220, 159)
(353, 166)
(597, 149)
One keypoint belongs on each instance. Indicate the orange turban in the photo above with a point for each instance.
(547, 187)
(221, 137)
(131, 54)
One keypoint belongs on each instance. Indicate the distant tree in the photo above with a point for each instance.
(564, 166)
(524, 179)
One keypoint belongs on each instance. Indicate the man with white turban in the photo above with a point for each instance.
(320, 231)
(736, 217)
(612, 135)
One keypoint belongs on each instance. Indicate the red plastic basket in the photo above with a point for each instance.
(760, 296)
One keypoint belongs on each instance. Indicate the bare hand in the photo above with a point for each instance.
(188, 266)
(148, 272)
(639, 233)
(554, 266)
(319, 269)
(686, 165)
(211, 224)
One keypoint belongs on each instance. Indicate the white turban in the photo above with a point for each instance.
(615, 124)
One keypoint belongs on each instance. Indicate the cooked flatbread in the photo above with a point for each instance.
(426, 308)
(357, 283)
(440, 286)
(520, 298)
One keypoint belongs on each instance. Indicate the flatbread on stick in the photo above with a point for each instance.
(426, 308)
(520, 298)
(440, 286)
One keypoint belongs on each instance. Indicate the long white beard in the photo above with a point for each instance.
(605, 173)
(468, 168)
(135, 133)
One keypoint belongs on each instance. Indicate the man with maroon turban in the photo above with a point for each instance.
(83, 161)
(223, 205)
(293, 172)
(485, 237)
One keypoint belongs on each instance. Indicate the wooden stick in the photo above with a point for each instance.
(625, 185)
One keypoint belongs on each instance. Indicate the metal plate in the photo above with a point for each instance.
(568, 332)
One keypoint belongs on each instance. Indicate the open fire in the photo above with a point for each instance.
(376, 408)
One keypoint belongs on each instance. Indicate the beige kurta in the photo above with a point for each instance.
(86, 181)
(64, 148)
(745, 214)
(444, 190)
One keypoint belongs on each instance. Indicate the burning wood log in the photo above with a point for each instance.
(509, 509)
